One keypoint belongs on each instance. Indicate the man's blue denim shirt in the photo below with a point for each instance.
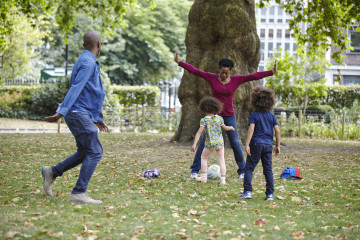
(86, 93)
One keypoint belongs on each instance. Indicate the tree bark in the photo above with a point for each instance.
(218, 29)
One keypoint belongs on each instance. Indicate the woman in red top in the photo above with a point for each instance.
(223, 87)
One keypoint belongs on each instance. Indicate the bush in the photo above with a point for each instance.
(342, 96)
(137, 95)
(14, 99)
(46, 100)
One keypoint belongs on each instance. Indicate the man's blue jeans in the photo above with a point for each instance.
(235, 145)
(89, 150)
(263, 152)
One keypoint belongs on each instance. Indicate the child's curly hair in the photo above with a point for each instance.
(210, 105)
(262, 99)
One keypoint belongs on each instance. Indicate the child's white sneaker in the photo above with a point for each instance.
(193, 175)
(201, 179)
(222, 180)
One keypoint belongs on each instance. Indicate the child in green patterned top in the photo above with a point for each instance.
(212, 124)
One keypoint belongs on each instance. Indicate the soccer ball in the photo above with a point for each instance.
(213, 171)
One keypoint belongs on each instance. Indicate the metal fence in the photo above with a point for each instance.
(21, 82)
(341, 124)
(142, 119)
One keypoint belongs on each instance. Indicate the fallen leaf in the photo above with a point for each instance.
(11, 234)
(276, 228)
(261, 221)
(192, 212)
(296, 199)
(280, 197)
(298, 235)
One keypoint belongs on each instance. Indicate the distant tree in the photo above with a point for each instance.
(22, 44)
(139, 52)
(297, 81)
(108, 12)
(142, 52)
(326, 22)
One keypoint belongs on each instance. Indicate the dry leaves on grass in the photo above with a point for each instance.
(298, 235)
(261, 221)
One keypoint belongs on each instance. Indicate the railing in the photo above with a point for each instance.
(22, 82)
(343, 124)
(140, 119)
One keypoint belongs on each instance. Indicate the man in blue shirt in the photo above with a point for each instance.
(81, 109)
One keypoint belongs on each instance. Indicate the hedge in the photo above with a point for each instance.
(137, 95)
(36, 102)
(342, 96)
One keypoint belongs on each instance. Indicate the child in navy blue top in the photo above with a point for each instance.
(259, 140)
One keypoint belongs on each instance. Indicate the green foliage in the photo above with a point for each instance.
(111, 107)
(22, 44)
(342, 96)
(137, 95)
(142, 52)
(322, 122)
(14, 99)
(293, 83)
(108, 13)
(45, 100)
(327, 23)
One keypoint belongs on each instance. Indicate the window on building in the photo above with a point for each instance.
(272, 10)
(270, 46)
(271, 33)
(271, 20)
(261, 68)
(263, 11)
(287, 20)
(280, 12)
(279, 33)
(294, 47)
(350, 79)
(278, 45)
(279, 20)
(262, 45)
(262, 33)
(287, 33)
(270, 55)
(355, 39)
(262, 56)
(287, 46)
(263, 20)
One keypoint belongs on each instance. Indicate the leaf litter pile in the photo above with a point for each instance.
(325, 204)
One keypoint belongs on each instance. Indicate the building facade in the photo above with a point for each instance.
(273, 30)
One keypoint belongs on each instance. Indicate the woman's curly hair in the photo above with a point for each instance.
(210, 105)
(262, 99)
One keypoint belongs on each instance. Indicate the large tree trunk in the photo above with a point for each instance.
(218, 29)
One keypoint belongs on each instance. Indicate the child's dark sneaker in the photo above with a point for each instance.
(269, 197)
(246, 195)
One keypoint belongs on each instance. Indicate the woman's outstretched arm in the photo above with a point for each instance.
(197, 72)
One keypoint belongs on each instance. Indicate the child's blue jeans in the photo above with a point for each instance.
(263, 152)
(89, 150)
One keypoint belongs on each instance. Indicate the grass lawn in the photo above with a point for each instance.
(325, 204)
